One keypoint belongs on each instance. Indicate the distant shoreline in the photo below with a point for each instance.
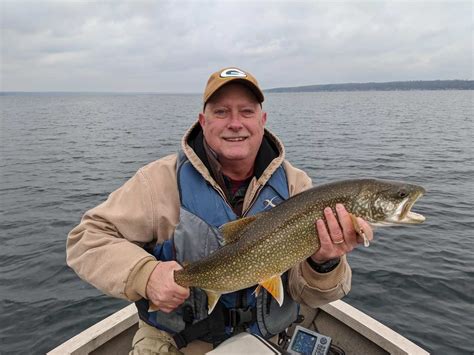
(386, 86)
(371, 86)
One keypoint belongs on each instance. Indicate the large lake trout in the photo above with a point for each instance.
(260, 248)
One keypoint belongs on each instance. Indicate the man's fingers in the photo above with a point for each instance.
(347, 224)
(341, 235)
(173, 294)
(180, 291)
(162, 290)
(181, 297)
(335, 230)
(166, 304)
(324, 238)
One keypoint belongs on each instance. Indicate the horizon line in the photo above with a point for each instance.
(200, 93)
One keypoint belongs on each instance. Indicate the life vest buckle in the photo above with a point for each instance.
(238, 317)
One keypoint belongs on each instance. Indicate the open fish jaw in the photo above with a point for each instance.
(404, 214)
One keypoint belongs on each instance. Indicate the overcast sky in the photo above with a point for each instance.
(173, 46)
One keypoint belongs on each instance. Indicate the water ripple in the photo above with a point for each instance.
(63, 154)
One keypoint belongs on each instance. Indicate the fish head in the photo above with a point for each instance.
(390, 203)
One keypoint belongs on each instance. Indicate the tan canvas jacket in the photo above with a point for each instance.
(106, 248)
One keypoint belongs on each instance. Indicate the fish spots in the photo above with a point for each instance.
(284, 236)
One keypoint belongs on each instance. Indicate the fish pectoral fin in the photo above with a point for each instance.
(274, 286)
(212, 299)
(231, 231)
(359, 230)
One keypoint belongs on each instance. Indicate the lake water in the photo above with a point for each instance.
(62, 154)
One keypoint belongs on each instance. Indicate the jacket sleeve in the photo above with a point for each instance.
(106, 248)
(307, 286)
(313, 289)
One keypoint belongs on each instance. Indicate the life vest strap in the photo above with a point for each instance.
(215, 325)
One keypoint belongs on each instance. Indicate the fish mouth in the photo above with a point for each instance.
(404, 214)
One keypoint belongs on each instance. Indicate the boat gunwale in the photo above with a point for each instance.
(370, 328)
(100, 333)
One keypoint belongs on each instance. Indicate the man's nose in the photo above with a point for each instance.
(235, 121)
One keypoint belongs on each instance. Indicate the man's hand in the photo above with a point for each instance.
(162, 291)
(340, 236)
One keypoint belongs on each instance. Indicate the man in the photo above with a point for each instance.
(229, 166)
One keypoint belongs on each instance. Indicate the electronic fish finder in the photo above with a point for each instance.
(308, 342)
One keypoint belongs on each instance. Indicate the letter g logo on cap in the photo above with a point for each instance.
(233, 73)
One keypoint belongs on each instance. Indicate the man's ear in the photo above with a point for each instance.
(264, 118)
(202, 119)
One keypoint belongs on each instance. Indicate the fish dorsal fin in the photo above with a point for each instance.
(274, 286)
(212, 299)
(231, 231)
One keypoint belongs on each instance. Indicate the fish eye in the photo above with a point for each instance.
(402, 193)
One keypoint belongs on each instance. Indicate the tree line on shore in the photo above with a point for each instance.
(387, 86)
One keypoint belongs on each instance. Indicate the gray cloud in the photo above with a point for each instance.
(172, 46)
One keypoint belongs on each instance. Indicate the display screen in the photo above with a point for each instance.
(304, 343)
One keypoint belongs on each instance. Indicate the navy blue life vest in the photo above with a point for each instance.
(202, 212)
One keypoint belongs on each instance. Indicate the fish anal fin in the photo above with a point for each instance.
(212, 299)
(231, 231)
(274, 286)
(153, 307)
(359, 230)
(257, 290)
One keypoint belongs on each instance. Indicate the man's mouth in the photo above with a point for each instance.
(234, 139)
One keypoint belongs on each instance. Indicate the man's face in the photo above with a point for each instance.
(233, 124)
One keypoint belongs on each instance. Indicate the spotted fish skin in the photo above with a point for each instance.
(266, 245)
